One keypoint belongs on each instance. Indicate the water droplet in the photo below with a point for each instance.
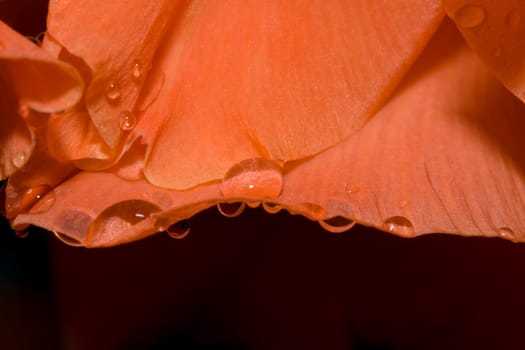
(113, 91)
(127, 120)
(399, 225)
(254, 177)
(351, 189)
(22, 233)
(43, 195)
(179, 229)
(231, 210)
(67, 239)
(119, 217)
(19, 159)
(337, 224)
(252, 204)
(137, 70)
(507, 233)
(402, 203)
(513, 19)
(271, 208)
(470, 16)
(23, 110)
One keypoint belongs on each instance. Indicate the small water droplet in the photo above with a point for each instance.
(254, 177)
(67, 239)
(127, 120)
(507, 233)
(470, 16)
(402, 203)
(137, 70)
(113, 91)
(399, 225)
(351, 189)
(22, 233)
(271, 208)
(43, 197)
(23, 110)
(231, 210)
(179, 229)
(252, 204)
(19, 159)
(337, 224)
(119, 217)
(513, 19)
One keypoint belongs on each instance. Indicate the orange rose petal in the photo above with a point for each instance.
(280, 80)
(495, 30)
(99, 209)
(117, 40)
(444, 155)
(39, 80)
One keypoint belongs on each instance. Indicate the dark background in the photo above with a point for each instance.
(258, 281)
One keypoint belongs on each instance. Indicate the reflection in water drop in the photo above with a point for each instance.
(113, 91)
(137, 70)
(513, 19)
(231, 210)
(507, 233)
(399, 225)
(119, 217)
(179, 229)
(255, 177)
(67, 239)
(337, 224)
(22, 233)
(19, 159)
(271, 208)
(127, 120)
(470, 16)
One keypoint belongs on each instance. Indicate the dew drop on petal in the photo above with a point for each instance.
(231, 210)
(253, 204)
(43, 195)
(513, 19)
(120, 217)
(137, 70)
(507, 233)
(19, 159)
(399, 225)
(67, 239)
(254, 177)
(113, 91)
(127, 120)
(351, 189)
(271, 208)
(470, 16)
(179, 229)
(402, 203)
(337, 224)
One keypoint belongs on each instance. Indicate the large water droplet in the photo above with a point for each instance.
(271, 208)
(137, 70)
(337, 224)
(67, 239)
(507, 233)
(113, 91)
(254, 177)
(231, 210)
(399, 225)
(470, 16)
(120, 217)
(179, 229)
(19, 159)
(127, 120)
(513, 19)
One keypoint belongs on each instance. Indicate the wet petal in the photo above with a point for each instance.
(444, 155)
(117, 41)
(495, 30)
(280, 80)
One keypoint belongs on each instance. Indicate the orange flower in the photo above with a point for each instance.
(371, 112)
